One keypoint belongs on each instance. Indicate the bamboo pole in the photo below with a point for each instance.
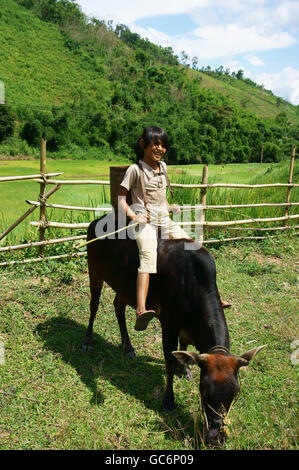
(48, 224)
(42, 212)
(73, 208)
(109, 209)
(245, 221)
(203, 198)
(180, 185)
(288, 196)
(26, 177)
(235, 239)
(45, 242)
(263, 229)
(38, 180)
(205, 223)
(227, 185)
(38, 260)
(236, 206)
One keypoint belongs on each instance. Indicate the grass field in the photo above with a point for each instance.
(55, 396)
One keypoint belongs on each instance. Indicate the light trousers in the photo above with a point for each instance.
(146, 236)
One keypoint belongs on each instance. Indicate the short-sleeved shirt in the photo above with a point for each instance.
(155, 187)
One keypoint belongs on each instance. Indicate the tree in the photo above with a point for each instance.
(194, 62)
(32, 132)
(271, 152)
(7, 122)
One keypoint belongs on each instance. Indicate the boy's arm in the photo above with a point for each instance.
(122, 198)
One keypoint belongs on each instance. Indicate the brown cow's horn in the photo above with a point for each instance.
(250, 354)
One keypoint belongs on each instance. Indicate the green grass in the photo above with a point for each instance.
(32, 50)
(54, 396)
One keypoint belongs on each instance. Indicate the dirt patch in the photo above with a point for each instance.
(271, 259)
(37, 281)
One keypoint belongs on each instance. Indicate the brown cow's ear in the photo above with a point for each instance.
(250, 354)
(241, 362)
(190, 358)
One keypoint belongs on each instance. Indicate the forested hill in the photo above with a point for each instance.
(89, 87)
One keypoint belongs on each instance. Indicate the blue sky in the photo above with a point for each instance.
(260, 37)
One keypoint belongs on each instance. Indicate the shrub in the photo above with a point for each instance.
(7, 122)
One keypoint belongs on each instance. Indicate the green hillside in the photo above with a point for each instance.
(89, 87)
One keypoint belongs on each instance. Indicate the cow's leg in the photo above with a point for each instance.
(170, 343)
(120, 310)
(95, 292)
(183, 369)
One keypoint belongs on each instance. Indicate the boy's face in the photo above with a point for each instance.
(154, 152)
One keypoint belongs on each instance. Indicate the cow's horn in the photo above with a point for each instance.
(250, 354)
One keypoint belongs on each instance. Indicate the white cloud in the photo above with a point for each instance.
(131, 10)
(225, 27)
(254, 60)
(284, 84)
(270, 13)
(287, 14)
(213, 42)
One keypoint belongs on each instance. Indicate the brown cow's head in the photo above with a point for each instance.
(218, 385)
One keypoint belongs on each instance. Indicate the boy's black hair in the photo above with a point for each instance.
(151, 134)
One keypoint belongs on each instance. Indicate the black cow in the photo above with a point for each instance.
(185, 297)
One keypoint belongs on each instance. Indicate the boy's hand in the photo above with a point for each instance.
(141, 218)
(175, 209)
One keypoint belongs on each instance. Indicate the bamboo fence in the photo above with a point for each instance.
(43, 224)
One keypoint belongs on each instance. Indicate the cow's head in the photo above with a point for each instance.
(218, 386)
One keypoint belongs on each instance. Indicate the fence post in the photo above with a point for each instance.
(203, 198)
(42, 212)
(289, 189)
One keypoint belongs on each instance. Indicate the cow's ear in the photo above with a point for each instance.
(250, 354)
(190, 358)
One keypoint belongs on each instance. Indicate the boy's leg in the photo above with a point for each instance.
(147, 246)
(142, 290)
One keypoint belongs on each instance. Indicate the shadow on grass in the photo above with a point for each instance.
(142, 378)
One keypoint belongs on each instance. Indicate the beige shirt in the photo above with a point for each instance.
(155, 187)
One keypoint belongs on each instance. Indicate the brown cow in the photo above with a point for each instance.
(185, 296)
